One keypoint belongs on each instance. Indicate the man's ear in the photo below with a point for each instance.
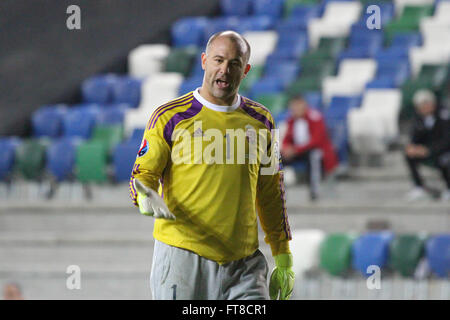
(247, 69)
(203, 57)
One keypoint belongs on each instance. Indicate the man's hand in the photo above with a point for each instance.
(417, 151)
(150, 203)
(282, 279)
(288, 152)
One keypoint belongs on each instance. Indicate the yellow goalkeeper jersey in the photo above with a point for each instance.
(213, 166)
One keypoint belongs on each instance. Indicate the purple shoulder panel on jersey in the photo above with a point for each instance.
(189, 113)
(168, 106)
(245, 105)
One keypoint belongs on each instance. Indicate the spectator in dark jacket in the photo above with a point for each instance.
(307, 141)
(430, 143)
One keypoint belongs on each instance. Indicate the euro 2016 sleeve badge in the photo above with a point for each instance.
(143, 148)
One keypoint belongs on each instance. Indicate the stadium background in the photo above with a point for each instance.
(72, 103)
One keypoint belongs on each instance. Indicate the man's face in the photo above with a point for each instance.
(297, 107)
(426, 108)
(225, 66)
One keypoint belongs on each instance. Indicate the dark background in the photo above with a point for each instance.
(42, 62)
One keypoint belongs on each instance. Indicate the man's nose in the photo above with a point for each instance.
(225, 67)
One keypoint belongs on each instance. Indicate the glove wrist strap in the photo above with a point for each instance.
(284, 260)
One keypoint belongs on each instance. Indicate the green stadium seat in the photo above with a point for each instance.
(180, 60)
(108, 135)
(30, 159)
(305, 84)
(253, 75)
(408, 21)
(335, 253)
(405, 253)
(435, 74)
(290, 4)
(275, 102)
(331, 47)
(91, 160)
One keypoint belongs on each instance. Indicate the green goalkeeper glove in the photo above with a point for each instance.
(150, 203)
(282, 278)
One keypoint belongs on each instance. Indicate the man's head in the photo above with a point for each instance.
(225, 62)
(297, 106)
(424, 102)
(11, 291)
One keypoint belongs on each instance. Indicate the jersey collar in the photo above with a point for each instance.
(216, 107)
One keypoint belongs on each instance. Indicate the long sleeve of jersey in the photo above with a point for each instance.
(271, 203)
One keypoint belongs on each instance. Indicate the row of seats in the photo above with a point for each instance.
(341, 253)
(105, 156)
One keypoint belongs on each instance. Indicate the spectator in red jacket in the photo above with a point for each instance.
(307, 141)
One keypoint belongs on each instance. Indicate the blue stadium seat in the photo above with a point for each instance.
(7, 156)
(291, 45)
(235, 7)
(220, 24)
(137, 135)
(299, 18)
(272, 8)
(112, 115)
(281, 117)
(189, 31)
(255, 23)
(266, 85)
(127, 90)
(98, 89)
(438, 254)
(124, 156)
(285, 71)
(314, 99)
(196, 70)
(190, 84)
(340, 105)
(371, 249)
(406, 40)
(382, 83)
(47, 121)
(79, 121)
(390, 74)
(61, 158)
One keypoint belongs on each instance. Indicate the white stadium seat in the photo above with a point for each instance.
(366, 131)
(352, 77)
(262, 44)
(305, 245)
(159, 89)
(335, 21)
(147, 59)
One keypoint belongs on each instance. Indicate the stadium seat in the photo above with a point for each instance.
(108, 135)
(266, 85)
(123, 158)
(366, 131)
(314, 99)
(340, 106)
(438, 254)
(255, 23)
(235, 7)
(262, 44)
(190, 84)
(335, 21)
(285, 71)
(335, 253)
(220, 24)
(47, 121)
(91, 161)
(137, 135)
(271, 8)
(112, 115)
(252, 76)
(189, 31)
(275, 102)
(406, 250)
(180, 60)
(7, 157)
(409, 88)
(369, 249)
(127, 90)
(147, 59)
(290, 45)
(290, 5)
(99, 89)
(61, 158)
(79, 122)
(159, 89)
(305, 247)
(135, 118)
(30, 159)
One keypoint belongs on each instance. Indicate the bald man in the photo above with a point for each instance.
(198, 150)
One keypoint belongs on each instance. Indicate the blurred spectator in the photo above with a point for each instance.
(430, 143)
(306, 141)
(11, 291)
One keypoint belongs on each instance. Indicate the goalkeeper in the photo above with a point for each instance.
(206, 232)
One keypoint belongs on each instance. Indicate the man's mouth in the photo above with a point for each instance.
(222, 84)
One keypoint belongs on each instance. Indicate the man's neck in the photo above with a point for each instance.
(220, 102)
